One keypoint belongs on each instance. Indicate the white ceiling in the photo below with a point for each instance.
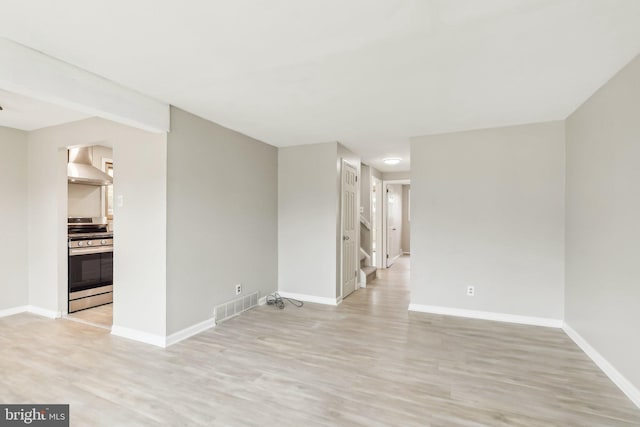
(367, 73)
(21, 112)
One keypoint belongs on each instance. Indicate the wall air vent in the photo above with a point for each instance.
(235, 307)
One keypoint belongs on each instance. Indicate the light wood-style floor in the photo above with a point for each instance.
(101, 316)
(367, 362)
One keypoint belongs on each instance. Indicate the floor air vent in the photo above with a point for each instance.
(235, 307)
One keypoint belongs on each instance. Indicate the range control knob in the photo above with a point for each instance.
(89, 243)
(80, 243)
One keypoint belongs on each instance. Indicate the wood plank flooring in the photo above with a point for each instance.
(101, 316)
(367, 362)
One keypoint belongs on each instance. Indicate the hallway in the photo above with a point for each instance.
(387, 295)
(367, 362)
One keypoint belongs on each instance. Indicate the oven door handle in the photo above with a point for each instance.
(88, 251)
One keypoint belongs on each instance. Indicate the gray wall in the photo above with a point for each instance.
(603, 221)
(392, 176)
(406, 224)
(221, 218)
(375, 173)
(13, 218)
(309, 218)
(365, 191)
(307, 209)
(488, 211)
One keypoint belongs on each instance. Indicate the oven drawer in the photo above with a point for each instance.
(90, 292)
(88, 302)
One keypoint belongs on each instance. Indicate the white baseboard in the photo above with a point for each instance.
(614, 375)
(13, 310)
(134, 334)
(310, 298)
(263, 300)
(51, 314)
(338, 300)
(487, 315)
(189, 332)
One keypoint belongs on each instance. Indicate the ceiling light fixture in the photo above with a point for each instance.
(392, 160)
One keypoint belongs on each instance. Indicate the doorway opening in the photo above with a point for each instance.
(376, 222)
(89, 296)
(379, 213)
(396, 222)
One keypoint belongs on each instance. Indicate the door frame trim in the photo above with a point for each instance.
(385, 212)
(341, 244)
(380, 196)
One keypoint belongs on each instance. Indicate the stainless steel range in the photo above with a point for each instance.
(90, 263)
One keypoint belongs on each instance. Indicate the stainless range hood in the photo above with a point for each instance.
(80, 169)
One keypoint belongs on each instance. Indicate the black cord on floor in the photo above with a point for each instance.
(278, 301)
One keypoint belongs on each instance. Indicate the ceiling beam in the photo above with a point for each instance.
(31, 73)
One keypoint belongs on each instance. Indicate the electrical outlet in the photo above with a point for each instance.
(471, 291)
(238, 289)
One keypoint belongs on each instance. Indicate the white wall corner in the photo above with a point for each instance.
(614, 375)
(487, 315)
(263, 300)
(13, 310)
(52, 314)
(135, 335)
(311, 298)
(189, 332)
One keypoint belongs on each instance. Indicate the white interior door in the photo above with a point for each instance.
(394, 223)
(349, 229)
